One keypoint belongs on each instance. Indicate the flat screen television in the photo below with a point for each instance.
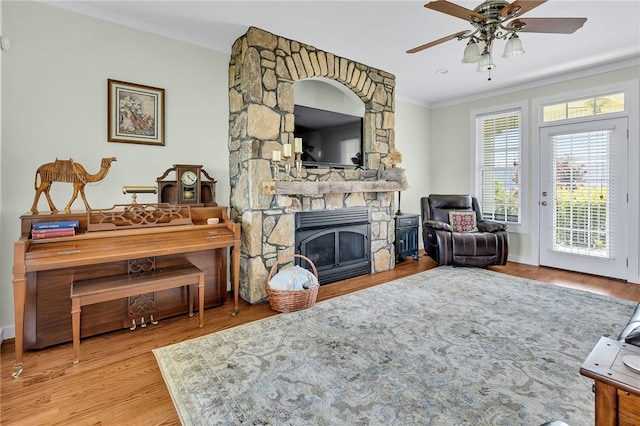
(329, 139)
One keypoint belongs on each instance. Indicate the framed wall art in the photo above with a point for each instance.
(136, 113)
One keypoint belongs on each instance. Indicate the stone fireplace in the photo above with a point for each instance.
(262, 70)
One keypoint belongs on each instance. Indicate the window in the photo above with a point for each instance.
(586, 107)
(583, 190)
(498, 141)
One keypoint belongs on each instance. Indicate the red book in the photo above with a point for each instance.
(37, 234)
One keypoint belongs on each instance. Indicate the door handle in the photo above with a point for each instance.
(544, 193)
(544, 203)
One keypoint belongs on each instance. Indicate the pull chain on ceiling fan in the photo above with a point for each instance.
(490, 22)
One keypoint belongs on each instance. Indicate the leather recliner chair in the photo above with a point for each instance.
(481, 244)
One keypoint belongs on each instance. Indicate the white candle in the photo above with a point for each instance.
(297, 148)
(276, 155)
(286, 150)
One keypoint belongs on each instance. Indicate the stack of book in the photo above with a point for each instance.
(58, 228)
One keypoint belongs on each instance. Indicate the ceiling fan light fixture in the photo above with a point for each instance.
(471, 53)
(513, 48)
(494, 20)
(486, 62)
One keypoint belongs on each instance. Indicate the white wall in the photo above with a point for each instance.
(412, 140)
(327, 94)
(54, 104)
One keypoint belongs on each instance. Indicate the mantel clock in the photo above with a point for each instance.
(188, 187)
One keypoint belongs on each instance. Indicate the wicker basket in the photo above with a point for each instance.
(291, 300)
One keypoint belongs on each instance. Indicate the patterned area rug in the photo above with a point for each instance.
(449, 346)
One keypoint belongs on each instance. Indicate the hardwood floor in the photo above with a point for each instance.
(117, 381)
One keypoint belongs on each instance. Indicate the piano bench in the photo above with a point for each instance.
(103, 289)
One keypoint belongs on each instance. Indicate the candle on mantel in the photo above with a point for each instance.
(276, 156)
(286, 150)
(297, 147)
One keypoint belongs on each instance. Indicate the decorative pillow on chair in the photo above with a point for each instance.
(463, 221)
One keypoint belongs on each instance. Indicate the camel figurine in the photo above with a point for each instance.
(66, 171)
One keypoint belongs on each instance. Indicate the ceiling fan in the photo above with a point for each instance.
(490, 22)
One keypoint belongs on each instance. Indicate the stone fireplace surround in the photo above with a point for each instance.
(262, 70)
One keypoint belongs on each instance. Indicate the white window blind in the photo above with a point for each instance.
(583, 193)
(498, 155)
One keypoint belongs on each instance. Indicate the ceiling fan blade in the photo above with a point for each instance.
(436, 42)
(548, 25)
(455, 10)
(519, 7)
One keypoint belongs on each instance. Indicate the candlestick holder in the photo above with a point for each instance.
(276, 170)
(298, 164)
(287, 166)
(287, 170)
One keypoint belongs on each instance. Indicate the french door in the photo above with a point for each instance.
(583, 197)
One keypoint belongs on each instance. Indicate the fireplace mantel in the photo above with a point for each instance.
(330, 187)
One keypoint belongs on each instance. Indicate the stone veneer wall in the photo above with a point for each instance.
(262, 70)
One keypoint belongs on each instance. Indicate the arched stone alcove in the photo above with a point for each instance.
(262, 70)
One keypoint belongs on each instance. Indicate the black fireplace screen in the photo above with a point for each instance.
(337, 241)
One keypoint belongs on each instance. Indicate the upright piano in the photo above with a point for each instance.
(44, 269)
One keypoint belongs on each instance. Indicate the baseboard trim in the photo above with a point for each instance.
(7, 332)
(524, 260)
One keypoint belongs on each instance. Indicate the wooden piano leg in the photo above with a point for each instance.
(201, 299)
(75, 324)
(19, 296)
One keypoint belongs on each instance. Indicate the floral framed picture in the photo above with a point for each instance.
(136, 113)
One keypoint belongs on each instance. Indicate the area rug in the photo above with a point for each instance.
(449, 346)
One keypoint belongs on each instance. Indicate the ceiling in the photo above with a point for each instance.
(378, 34)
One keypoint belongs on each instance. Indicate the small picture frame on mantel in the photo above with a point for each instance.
(135, 113)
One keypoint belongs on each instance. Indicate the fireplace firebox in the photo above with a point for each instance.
(337, 241)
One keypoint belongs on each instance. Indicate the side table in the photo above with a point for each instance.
(617, 386)
(406, 243)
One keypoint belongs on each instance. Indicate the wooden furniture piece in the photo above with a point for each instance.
(406, 242)
(617, 386)
(44, 270)
(105, 289)
(187, 187)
